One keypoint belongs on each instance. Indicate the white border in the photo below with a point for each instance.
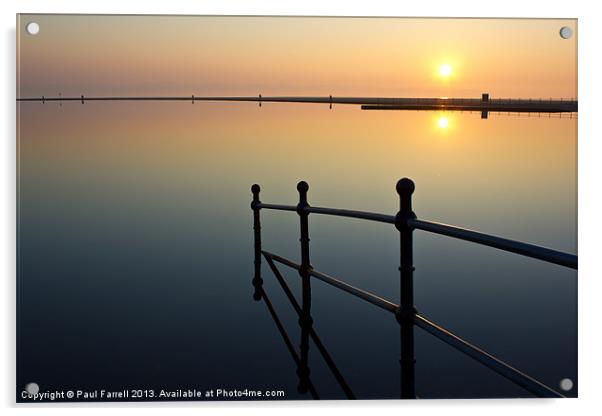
(590, 138)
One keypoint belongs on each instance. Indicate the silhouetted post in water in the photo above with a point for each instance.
(82, 98)
(305, 319)
(406, 311)
(484, 100)
(257, 280)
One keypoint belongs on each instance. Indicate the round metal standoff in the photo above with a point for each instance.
(32, 388)
(255, 188)
(32, 28)
(566, 32)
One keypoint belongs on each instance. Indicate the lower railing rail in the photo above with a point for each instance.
(485, 358)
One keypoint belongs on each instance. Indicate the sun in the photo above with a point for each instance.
(443, 122)
(445, 70)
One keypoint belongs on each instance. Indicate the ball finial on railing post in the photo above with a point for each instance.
(302, 187)
(405, 185)
(255, 191)
(405, 188)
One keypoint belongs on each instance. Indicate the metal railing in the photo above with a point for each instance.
(405, 221)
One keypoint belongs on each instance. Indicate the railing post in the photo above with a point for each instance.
(406, 311)
(255, 206)
(305, 320)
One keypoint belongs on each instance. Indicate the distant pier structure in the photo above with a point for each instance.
(484, 105)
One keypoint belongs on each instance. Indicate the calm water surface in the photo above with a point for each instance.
(136, 245)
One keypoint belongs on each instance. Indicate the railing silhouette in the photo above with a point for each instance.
(405, 221)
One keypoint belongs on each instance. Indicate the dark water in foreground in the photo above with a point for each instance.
(136, 246)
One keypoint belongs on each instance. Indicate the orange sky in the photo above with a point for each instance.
(144, 55)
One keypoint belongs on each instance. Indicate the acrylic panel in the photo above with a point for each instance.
(295, 208)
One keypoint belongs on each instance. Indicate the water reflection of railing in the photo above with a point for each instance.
(405, 221)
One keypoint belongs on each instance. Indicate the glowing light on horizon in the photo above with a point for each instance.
(443, 122)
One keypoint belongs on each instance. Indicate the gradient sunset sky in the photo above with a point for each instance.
(182, 55)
